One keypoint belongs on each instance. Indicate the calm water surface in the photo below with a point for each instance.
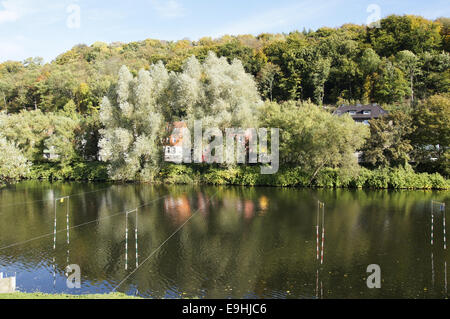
(232, 242)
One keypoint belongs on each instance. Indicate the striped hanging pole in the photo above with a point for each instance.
(67, 221)
(136, 236)
(54, 249)
(432, 226)
(317, 231)
(54, 231)
(443, 221)
(432, 269)
(126, 241)
(54, 273)
(445, 277)
(54, 234)
(445, 246)
(321, 289)
(317, 284)
(68, 230)
(323, 232)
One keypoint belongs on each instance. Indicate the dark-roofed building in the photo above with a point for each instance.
(361, 113)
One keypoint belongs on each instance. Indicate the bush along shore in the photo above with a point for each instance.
(382, 178)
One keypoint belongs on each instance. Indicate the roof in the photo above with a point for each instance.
(376, 111)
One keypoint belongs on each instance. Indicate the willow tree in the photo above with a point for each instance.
(220, 94)
(133, 124)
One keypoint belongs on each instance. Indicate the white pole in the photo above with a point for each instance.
(445, 278)
(321, 289)
(136, 236)
(432, 224)
(68, 232)
(54, 249)
(126, 241)
(54, 229)
(317, 283)
(432, 269)
(67, 215)
(317, 230)
(323, 231)
(443, 221)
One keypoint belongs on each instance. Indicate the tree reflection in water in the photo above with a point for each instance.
(244, 242)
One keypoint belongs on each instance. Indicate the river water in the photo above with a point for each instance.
(223, 242)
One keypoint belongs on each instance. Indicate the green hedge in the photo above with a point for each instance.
(91, 171)
(178, 174)
(387, 178)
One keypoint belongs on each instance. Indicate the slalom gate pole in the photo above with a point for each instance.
(136, 237)
(317, 230)
(126, 241)
(323, 232)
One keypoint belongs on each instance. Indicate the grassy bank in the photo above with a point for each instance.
(38, 295)
(384, 178)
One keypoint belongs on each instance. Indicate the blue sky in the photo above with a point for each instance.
(46, 28)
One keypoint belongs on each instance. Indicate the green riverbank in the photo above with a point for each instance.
(38, 295)
(381, 178)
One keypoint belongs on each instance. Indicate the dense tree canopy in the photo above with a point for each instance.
(407, 57)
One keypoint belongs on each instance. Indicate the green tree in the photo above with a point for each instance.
(390, 84)
(13, 164)
(369, 64)
(434, 75)
(408, 63)
(445, 32)
(320, 74)
(266, 79)
(431, 140)
(398, 33)
(314, 139)
(389, 144)
(34, 131)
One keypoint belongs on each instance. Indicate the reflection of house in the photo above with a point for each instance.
(51, 154)
(179, 208)
(361, 113)
(249, 209)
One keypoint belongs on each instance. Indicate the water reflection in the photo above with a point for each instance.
(237, 242)
(178, 209)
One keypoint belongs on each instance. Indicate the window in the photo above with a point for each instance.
(352, 112)
(367, 112)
